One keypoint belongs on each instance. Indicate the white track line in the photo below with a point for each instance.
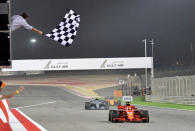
(46, 103)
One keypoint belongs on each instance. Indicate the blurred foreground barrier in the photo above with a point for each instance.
(15, 120)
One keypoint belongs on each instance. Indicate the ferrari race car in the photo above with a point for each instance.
(97, 104)
(128, 113)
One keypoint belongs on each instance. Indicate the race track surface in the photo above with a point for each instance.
(58, 110)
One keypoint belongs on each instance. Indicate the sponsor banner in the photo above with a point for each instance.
(127, 98)
(81, 64)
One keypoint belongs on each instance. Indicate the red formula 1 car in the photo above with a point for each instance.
(128, 113)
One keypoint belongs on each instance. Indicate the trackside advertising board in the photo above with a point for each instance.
(81, 64)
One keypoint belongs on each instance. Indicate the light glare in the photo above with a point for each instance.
(33, 40)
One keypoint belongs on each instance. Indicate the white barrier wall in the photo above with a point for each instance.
(81, 64)
(179, 89)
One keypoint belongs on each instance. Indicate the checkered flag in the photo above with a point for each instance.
(66, 31)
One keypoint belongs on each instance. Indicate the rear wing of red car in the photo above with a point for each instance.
(126, 107)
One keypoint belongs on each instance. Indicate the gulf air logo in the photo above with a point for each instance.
(104, 64)
(58, 65)
(112, 64)
(48, 64)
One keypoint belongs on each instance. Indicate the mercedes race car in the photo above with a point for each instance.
(97, 104)
(128, 113)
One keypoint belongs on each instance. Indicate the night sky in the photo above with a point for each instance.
(109, 28)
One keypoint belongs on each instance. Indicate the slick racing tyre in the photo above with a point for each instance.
(87, 105)
(145, 114)
(110, 115)
(114, 115)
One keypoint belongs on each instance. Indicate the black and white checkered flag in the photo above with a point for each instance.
(66, 31)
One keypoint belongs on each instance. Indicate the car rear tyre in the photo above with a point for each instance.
(110, 115)
(87, 105)
(114, 115)
(145, 114)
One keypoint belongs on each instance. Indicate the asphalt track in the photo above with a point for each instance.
(58, 110)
